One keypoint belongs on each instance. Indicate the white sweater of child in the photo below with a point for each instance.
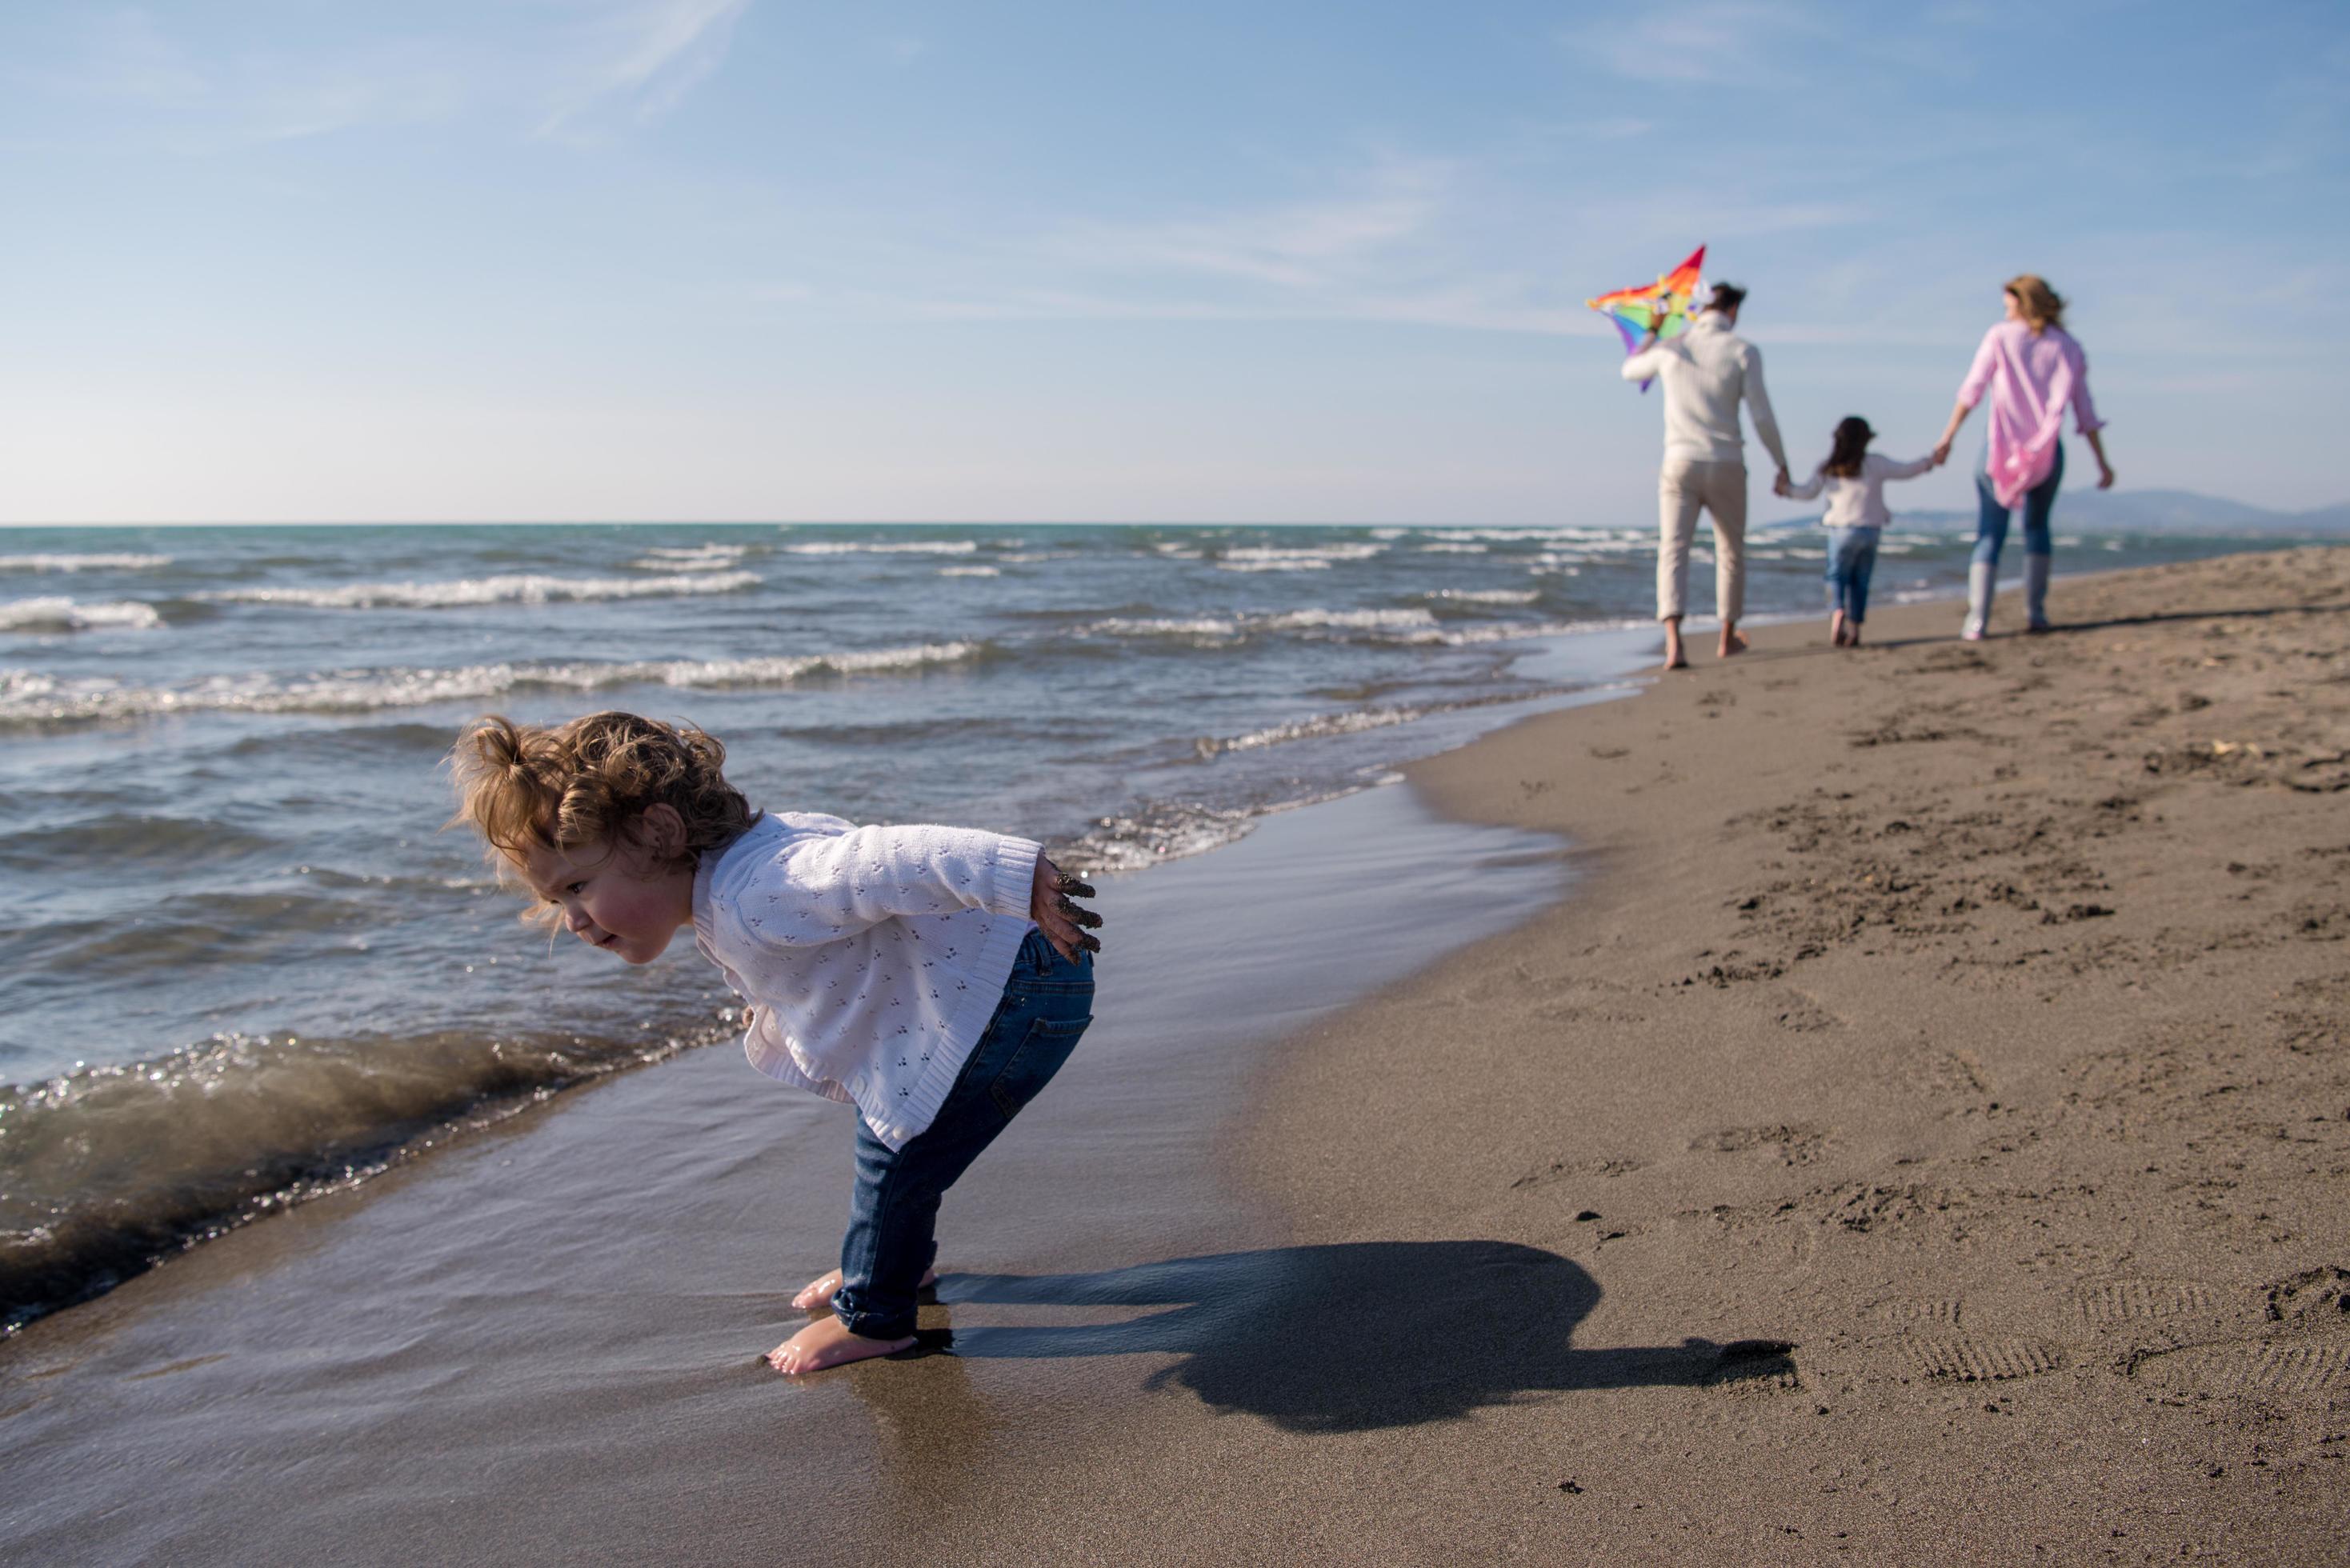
(1859, 503)
(872, 958)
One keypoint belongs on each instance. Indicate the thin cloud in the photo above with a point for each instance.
(1297, 245)
(1723, 41)
(647, 55)
(119, 55)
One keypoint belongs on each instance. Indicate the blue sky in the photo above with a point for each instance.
(757, 260)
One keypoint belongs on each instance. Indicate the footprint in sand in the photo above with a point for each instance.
(2130, 1301)
(2292, 1368)
(1934, 1312)
(1564, 1169)
(1961, 1358)
(1793, 1144)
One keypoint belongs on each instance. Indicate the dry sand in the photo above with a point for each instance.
(1974, 1019)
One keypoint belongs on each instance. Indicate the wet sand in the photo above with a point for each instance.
(1923, 1135)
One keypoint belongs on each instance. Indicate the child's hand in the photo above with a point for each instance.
(1058, 915)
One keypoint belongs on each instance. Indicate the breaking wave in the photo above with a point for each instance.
(94, 562)
(59, 614)
(106, 1169)
(877, 547)
(528, 589)
(29, 698)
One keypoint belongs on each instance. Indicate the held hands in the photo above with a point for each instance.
(1941, 452)
(1063, 921)
(1781, 486)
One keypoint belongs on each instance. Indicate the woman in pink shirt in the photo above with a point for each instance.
(2033, 369)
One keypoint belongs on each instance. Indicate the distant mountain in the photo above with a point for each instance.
(2170, 512)
(2091, 510)
(2334, 519)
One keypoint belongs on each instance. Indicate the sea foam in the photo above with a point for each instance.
(60, 614)
(528, 589)
(94, 561)
(28, 698)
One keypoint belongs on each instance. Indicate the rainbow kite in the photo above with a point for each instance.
(1634, 309)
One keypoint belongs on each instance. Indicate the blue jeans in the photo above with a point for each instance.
(1047, 1003)
(1991, 520)
(1852, 555)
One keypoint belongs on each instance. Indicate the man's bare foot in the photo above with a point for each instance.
(824, 1342)
(1731, 643)
(822, 1287)
(1852, 635)
(1836, 629)
(1675, 658)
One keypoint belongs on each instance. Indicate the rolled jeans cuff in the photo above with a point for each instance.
(874, 1325)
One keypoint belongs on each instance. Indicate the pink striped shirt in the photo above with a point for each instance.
(2031, 377)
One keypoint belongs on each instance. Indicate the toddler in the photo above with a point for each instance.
(934, 978)
(1853, 478)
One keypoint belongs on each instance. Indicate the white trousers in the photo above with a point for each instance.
(1686, 485)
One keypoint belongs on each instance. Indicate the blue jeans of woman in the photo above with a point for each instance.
(1852, 555)
(1047, 1003)
(1991, 517)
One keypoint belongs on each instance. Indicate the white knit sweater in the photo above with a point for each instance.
(1707, 372)
(1859, 501)
(872, 958)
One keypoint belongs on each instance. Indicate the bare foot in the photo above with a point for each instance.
(824, 1342)
(1852, 635)
(1731, 643)
(1836, 629)
(821, 1289)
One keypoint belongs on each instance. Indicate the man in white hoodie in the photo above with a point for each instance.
(1707, 372)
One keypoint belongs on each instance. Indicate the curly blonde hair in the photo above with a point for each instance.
(2041, 305)
(557, 787)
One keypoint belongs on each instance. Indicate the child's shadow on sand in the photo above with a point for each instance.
(1348, 1338)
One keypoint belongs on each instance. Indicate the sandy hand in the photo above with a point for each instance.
(1052, 904)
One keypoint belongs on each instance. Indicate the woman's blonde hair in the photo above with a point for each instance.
(558, 787)
(2041, 305)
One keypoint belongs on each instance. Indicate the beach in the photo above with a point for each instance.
(1972, 1018)
(1890, 1104)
